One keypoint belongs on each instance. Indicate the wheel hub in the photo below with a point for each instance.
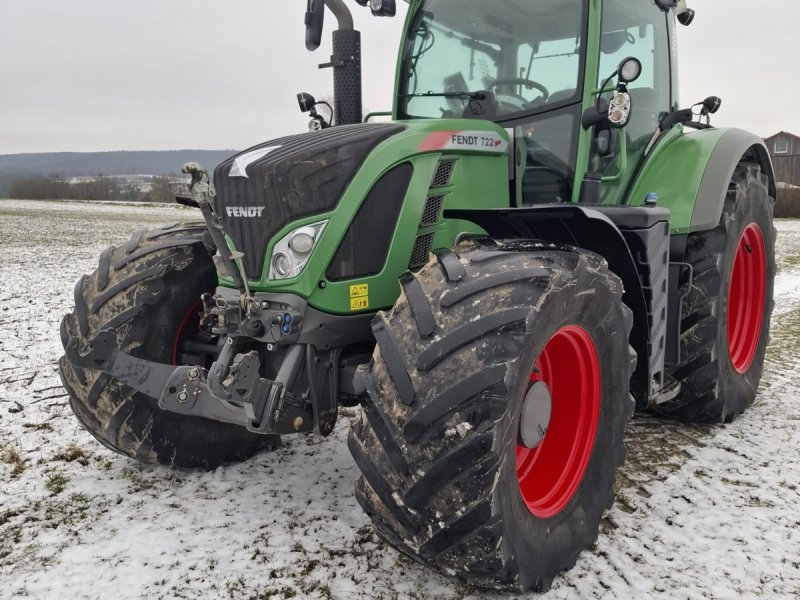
(536, 410)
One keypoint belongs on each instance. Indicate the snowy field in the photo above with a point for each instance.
(702, 512)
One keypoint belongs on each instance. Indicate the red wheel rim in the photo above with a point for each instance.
(550, 473)
(746, 298)
(193, 314)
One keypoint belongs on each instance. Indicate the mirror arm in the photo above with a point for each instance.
(622, 157)
(679, 116)
(594, 115)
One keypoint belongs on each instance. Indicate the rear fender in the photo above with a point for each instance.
(734, 146)
(691, 170)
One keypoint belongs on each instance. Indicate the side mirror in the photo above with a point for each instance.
(315, 19)
(306, 101)
(606, 142)
(710, 105)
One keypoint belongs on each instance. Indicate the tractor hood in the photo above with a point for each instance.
(265, 187)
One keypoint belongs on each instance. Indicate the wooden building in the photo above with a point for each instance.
(784, 149)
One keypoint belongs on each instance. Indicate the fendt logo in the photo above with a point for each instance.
(244, 211)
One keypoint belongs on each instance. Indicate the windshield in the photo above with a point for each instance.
(491, 59)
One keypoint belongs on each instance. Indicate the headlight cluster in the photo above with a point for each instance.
(291, 253)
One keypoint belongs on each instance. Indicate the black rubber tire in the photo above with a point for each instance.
(441, 398)
(143, 290)
(712, 391)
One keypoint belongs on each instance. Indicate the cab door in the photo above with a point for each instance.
(642, 30)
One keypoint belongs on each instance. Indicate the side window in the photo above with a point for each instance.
(637, 29)
(546, 148)
(555, 64)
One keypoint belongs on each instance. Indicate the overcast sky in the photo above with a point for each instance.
(86, 75)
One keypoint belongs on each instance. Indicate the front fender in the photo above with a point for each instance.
(594, 229)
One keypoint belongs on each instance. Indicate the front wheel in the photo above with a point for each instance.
(148, 292)
(494, 412)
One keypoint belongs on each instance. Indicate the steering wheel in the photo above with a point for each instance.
(528, 83)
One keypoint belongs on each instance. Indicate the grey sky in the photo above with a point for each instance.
(83, 75)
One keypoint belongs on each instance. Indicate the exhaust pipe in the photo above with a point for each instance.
(346, 63)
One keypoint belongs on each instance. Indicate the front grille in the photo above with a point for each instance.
(433, 208)
(422, 249)
(444, 173)
(364, 248)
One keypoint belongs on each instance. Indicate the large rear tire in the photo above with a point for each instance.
(148, 291)
(726, 315)
(454, 469)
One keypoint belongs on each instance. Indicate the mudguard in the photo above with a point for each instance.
(690, 170)
(612, 232)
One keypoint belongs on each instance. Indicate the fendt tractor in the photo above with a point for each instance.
(537, 243)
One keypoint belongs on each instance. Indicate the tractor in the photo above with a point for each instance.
(538, 243)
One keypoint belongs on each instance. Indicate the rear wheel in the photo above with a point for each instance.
(147, 291)
(494, 412)
(726, 314)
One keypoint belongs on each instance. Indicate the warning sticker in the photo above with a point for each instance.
(357, 291)
(359, 303)
(475, 141)
(359, 296)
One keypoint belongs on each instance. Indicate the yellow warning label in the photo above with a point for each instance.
(359, 303)
(359, 296)
(359, 291)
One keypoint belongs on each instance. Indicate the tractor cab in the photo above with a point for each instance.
(536, 68)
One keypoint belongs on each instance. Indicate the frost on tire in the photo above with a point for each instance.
(445, 474)
(147, 290)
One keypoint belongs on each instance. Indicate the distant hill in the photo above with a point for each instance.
(77, 164)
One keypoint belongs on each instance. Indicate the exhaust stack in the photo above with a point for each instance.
(345, 60)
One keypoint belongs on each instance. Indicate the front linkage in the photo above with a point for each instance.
(253, 327)
(231, 390)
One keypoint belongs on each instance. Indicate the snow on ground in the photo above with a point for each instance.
(701, 511)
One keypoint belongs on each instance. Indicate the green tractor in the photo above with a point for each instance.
(538, 243)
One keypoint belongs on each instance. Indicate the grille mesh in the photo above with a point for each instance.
(421, 250)
(433, 208)
(444, 173)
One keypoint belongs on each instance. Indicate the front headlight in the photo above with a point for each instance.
(291, 253)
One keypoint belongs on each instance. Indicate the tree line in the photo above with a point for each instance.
(164, 189)
(38, 187)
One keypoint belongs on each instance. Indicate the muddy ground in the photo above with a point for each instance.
(701, 511)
